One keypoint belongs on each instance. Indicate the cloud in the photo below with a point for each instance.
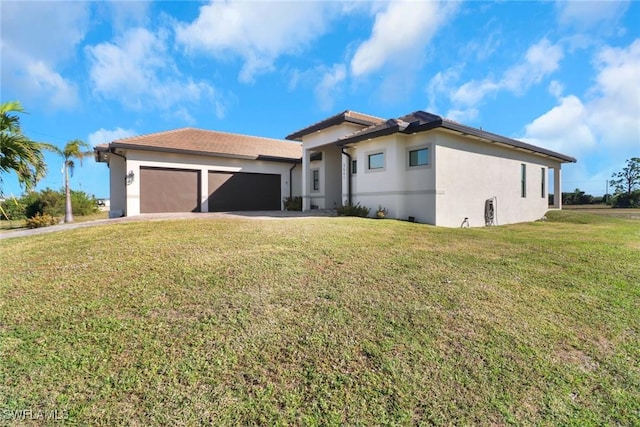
(257, 32)
(38, 38)
(604, 125)
(400, 31)
(585, 15)
(540, 60)
(137, 70)
(328, 88)
(105, 136)
(564, 128)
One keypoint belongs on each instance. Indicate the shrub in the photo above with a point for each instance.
(353, 210)
(13, 209)
(293, 203)
(52, 203)
(83, 203)
(44, 220)
(382, 212)
(626, 200)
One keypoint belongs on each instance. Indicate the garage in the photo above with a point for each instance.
(243, 192)
(169, 190)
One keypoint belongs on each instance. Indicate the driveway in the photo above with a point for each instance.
(255, 215)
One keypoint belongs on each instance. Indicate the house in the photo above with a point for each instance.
(419, 167)
(424, 168)
(195, 170)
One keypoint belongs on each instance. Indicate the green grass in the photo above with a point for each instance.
(324, 321)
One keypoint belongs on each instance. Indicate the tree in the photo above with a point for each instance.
(625, 182)
(18, 153)
(72, 150)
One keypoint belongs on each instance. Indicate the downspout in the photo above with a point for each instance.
(291, 180)
(348, 174)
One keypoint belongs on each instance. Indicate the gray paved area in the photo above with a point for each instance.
(256, 215)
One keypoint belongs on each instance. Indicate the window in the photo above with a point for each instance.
(376, 161)
(419, 157)
(354, 166)
(543, 174)
(315, 179)
(523, 180)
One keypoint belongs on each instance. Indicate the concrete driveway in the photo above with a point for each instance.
(255, 215)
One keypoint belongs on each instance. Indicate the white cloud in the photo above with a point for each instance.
(564, 128)
(62, 93)
(541, 59)
(555, 88)
(400, 33)
(605, 125)
(462, 115)
(105, 136)
(328, 88)
(37, 38)
(586, 15)
(257, 32)
(138, 71)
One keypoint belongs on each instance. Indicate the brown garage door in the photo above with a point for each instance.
(243, 192)
(169, 190)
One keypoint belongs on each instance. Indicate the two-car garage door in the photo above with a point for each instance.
(178, 190)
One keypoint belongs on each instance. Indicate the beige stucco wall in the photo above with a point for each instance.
(468, 172)
(138, 158)
(462, 174)
(402, 190)
(117, 190)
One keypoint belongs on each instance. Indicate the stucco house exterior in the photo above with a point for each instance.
(196, 170)
(419, 167)
(425, 168)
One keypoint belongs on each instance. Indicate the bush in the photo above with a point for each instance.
(44, 220)
(51, 202)
(353, 210)
(83, 203)
(626, 200)
(293, 203)
(13, 209)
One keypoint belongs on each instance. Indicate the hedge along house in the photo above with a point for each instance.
(425, 168)
(195, 170)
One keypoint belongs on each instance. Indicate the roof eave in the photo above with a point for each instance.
(327, 123)
(494, 138)
(368, 135)
(203, 153)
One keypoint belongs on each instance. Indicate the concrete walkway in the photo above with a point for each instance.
(255, 215)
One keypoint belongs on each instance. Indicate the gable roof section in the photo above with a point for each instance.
(420, 121)
(213, 143)
(346, 116)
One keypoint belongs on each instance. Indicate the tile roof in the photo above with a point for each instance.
(208, 142)
(421, 121)
(347, 116)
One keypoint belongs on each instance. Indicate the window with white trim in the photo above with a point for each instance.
(376, 161)
(419, 157)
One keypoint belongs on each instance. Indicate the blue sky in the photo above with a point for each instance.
(561, 75)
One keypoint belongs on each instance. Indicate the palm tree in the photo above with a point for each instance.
(72, 150)
(17, 152)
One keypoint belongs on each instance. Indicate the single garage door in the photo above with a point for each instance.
(169, 190)
(243, 192)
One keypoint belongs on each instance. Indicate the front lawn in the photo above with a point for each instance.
(323, 321)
